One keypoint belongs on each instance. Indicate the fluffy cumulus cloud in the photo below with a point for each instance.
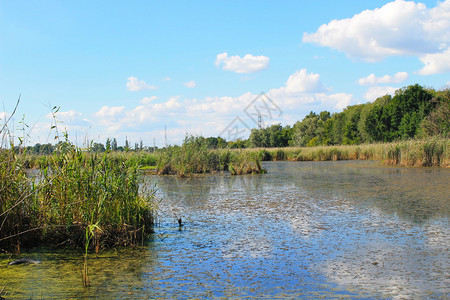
(386, 79)
(116, 118)
(69, 118)
(435, 63)
(134, 84)
(302, 92)
(302, 82)
(300, 89)
(247, 64)
(110, 111)
(375, 92)
(397, 28)
(110, 116)
(337, 101)
(190, 84)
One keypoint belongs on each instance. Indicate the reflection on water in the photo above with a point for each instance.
(305, 229)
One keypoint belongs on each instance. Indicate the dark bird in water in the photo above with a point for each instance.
(180, 222)
(23, 261)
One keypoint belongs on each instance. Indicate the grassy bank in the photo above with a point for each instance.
(433, 152)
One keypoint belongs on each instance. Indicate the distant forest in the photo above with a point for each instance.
(413, 112)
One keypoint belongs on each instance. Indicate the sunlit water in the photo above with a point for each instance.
(304, 230)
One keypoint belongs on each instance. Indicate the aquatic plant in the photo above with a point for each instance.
(245, 162)
(194, 157)
(81, 188)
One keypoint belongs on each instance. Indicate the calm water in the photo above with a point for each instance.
(304, 230)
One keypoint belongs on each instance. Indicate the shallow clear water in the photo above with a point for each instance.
(304, 230)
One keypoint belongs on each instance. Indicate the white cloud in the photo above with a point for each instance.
(66, 116)
(190, 84)
(435, 63)
(110, 112)
(70, 118)
(167, 79)
(299, 89)
(116, 117)
(302, 82)
(337, 101)
(133, 85)
(147, 100)
(398, 28)
(375, 92)
(247, 64)
(386, 79)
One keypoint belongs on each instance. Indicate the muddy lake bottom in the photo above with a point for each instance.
(346, 229)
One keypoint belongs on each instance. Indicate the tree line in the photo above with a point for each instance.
(413, 112)
(110, 145)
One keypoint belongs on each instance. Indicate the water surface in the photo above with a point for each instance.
(304, 230)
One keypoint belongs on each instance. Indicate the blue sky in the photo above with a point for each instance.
(130, 69)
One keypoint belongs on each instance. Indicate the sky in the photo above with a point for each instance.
(158, 70)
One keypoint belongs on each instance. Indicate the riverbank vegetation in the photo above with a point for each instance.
(76, 198)
(432, 152)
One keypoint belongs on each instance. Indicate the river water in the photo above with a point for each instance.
(347, 229)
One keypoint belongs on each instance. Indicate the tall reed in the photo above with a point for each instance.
(195, 157)
(432, 152)
(73, 190)
(83, 189)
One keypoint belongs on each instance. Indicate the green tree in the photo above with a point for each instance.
(97, 147)
(305, 130)
(407, 109)
(438, 121)
(114, 144)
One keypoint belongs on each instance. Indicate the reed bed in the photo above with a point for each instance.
(72, 191)
(194, 157)
(433, 152)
